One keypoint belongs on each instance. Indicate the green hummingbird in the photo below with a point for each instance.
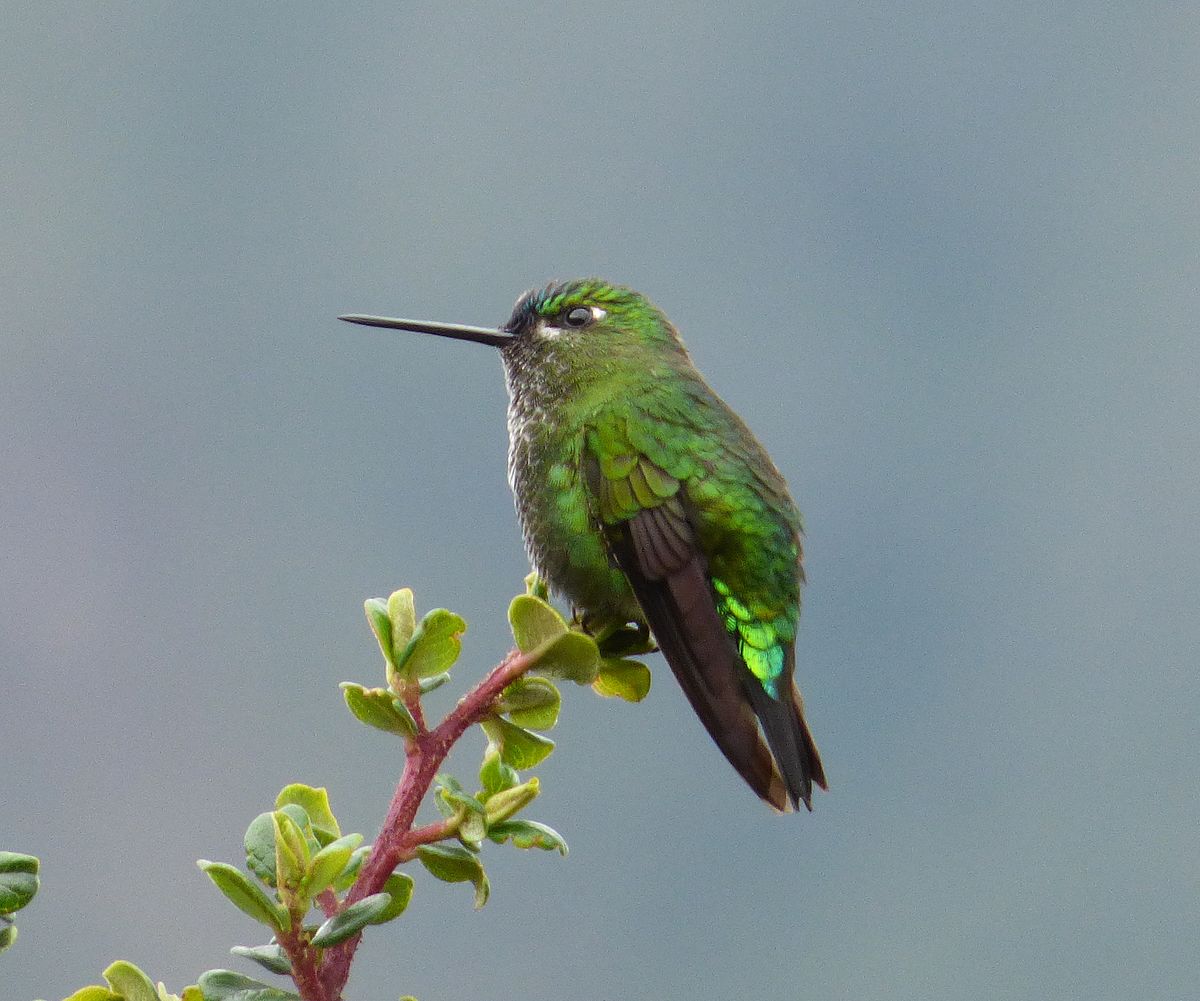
(644, 498)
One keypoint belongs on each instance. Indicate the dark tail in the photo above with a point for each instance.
(706, 664)
(789, 738)
(656, 549)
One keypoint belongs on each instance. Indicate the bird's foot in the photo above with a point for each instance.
(616, 638)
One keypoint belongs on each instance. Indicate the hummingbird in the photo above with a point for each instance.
(643, 498)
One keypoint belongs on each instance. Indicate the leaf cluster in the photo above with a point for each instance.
(18, 886)
(302, 875)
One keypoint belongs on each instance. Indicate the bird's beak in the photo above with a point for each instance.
(481, 335)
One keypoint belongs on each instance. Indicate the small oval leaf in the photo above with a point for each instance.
(399, 887)
(269, 957)
(94, 993)
(225, 985)
(534, 622)
(519, 748)
(315, 803)
(352, 920)
(453, 864)
(379, 708)
(508, 802)
(450, 791)
(573, 656)
(328, 863)
(130, 982)
(291, 855)
(531, 702)
(259, 842)
(381, 626)
(17, 862)
(622, 679)
(494, 774)
(18, 883)
(403, 618)
(348, 875)
(528, 834)
(245, 895)
(429, 684)
(434, 647)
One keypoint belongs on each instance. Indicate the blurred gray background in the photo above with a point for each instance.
(943, 258)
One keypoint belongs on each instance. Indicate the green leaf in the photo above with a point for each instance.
(622, 679)
(94, 993)
(18, 862)
(399, 887)
(504, 804)
(379, 708)
(528, 834)
(536, 586)
(531, 702)
(534, 622)
(494, 774)
(403, 618)
(452, 800)
(429, 684)
(225, 985)
(519, 747)
(352, 920)
(259, 842)
(573, 656)
(315, 803)
(453, 864)
(300, 816)
(348, 875)
(291, 853)
(328, 863)
(270, 957)
(130, 982)
(473, 830)
(434, 647)
(450, 791)
(18, 881)
(381, 626)
(246, 896)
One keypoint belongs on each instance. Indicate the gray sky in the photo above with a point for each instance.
(942, 258)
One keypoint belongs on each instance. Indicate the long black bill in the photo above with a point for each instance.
(481, 335)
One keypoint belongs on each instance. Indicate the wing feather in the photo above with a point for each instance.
(653, 538)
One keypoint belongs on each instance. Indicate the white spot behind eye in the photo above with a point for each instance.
(598, 314)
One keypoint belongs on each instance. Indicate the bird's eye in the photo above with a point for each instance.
(580, 316)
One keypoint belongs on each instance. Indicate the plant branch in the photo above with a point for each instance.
(306, 970)
(397, 840)
(328, 902)
(425, 836)
(412, 702)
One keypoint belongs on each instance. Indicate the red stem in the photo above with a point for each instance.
(412, 702)
(328, 902)
(306, 972)
(397, 841)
